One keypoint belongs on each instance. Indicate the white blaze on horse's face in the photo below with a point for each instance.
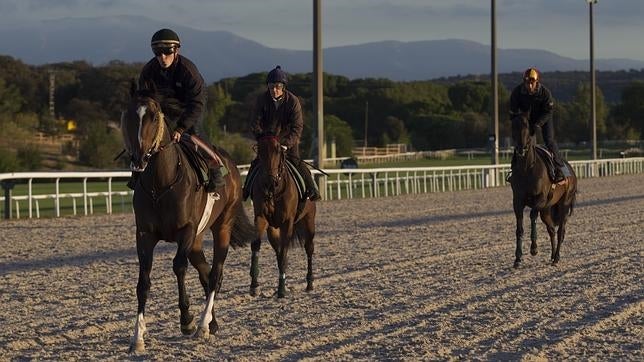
(141, 112)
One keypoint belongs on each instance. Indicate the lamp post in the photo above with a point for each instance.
(593, 112)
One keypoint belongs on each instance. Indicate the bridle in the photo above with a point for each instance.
(277, 176)
(157, 143)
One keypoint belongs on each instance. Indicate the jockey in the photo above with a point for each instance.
(280, 109)
(182, 96)
(535, 99)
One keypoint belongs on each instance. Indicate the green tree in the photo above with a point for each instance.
(629, 113)
(578, 124)
(100, 146)
(340, 131)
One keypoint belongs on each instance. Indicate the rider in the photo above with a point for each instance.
(535, 99)
(280, 107)
(182, 96)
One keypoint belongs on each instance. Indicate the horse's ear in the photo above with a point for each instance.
(132, 87)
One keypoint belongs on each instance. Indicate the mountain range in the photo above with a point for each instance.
(221, 54)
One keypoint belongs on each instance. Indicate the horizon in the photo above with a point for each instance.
(560, 27)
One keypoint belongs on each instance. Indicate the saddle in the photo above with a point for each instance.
(197, 161)
(549, 161)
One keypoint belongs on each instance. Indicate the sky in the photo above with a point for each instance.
(560, 26)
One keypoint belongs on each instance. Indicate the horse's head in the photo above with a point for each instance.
(271, 158)
(521, 134)
(143, 127)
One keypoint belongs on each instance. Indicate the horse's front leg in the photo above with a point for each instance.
(518, 214)
(145, 243)
(185, 240)
(534, 213)
(286, 235)
(208, 323)
(261, 225)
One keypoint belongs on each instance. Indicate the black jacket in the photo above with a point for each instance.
(285, 120)
(181, 90)
(539, 105)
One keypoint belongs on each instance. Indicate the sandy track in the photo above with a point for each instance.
(425, 276)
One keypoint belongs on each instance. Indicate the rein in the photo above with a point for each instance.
(157, 146)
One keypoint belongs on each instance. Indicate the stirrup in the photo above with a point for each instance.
(508, 178)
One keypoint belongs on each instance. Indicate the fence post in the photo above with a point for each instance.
(7, 186)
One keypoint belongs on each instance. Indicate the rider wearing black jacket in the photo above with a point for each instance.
(533, 98)
(180, 87)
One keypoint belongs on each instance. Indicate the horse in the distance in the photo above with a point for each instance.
(532, 187)
(170, 204)
(279, 212)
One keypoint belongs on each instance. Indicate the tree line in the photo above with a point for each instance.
(427, 115)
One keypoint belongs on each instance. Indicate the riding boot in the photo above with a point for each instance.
(558, 176)
(248, 180)
(131, 183)
(215, 178)
(311, 187)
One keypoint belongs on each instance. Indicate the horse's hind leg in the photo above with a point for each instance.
(561, 232)
(546, 217)
(208, 323)
(145, 244)
(306, 230)
(179, 266)
(533, 231)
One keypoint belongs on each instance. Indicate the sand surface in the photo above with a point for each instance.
(414, 277)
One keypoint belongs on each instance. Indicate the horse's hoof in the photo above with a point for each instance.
(253, 292)
(188, 329)
(214, 327)
(534, 252)
(202, 333)
(309, 287)
(517, 264)
(137, 347)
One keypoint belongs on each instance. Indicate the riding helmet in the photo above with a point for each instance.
(532, 73)
(165, 37)
(277, 75)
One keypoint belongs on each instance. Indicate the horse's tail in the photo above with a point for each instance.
(573, 201)
(243, 231)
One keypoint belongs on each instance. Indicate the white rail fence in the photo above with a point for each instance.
(105, 189)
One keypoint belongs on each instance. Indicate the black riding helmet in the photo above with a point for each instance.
(165, 38)
(277, 75)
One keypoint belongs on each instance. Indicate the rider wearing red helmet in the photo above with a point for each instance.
(533, 98)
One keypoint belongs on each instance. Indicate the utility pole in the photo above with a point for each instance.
(494, 137)
(318, 104)
(593, 106)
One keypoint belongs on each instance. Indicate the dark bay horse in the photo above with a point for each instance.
(169, 204)
(532, 187)
(275, 202)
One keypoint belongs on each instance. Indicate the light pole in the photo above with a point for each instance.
(593, 112)
(494, 137)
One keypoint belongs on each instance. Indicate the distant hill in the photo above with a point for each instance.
(221, 54)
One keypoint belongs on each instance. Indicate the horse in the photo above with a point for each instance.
(277, 213)
(532, 187)
(171, 204)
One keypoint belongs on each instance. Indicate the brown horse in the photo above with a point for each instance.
(170, 204)
(532, 187)
(275, 201)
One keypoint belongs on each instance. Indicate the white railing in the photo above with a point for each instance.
(340, 184)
